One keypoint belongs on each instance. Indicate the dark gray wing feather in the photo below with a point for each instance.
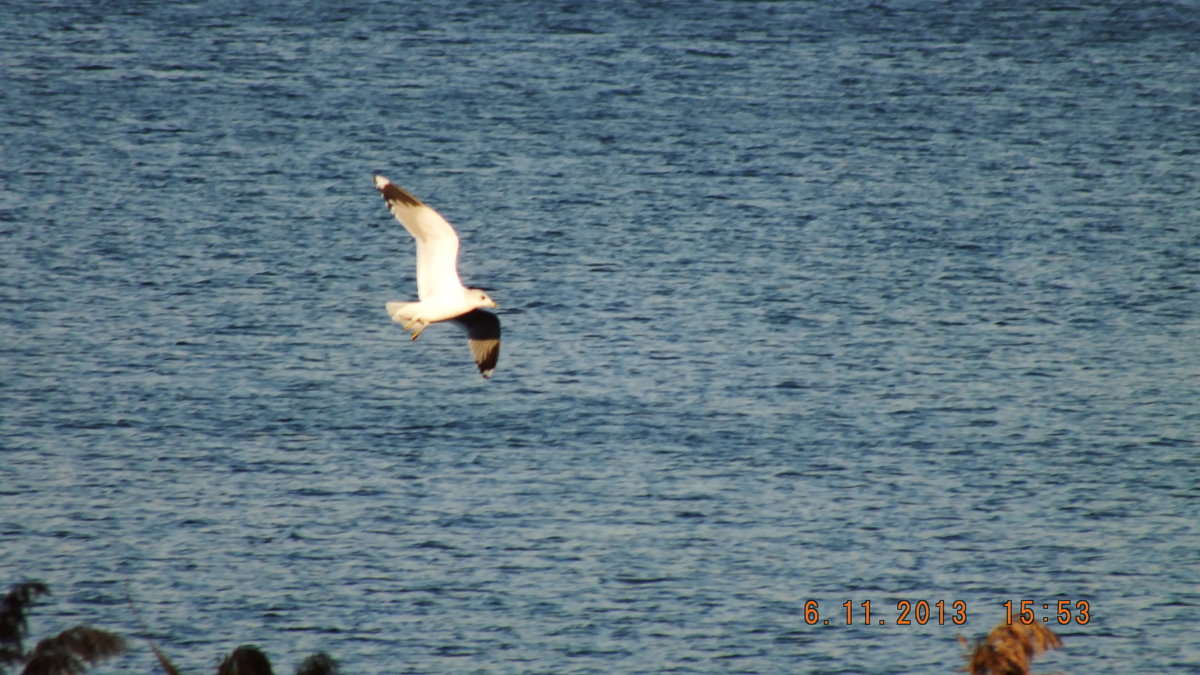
(483, 334)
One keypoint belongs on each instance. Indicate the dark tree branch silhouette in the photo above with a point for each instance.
(70, 652)
(12, 620)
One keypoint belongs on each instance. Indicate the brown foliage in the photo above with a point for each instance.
(1009, 649)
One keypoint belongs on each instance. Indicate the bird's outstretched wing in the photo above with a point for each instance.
(437, 242)
(483, 334)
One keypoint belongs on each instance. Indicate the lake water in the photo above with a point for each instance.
(801, 301)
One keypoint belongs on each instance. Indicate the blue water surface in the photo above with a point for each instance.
(801, 301)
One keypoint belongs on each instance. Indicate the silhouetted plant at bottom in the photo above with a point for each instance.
(249, 660)
(12, 621)
(72, 651)
(68, 653)
(244, 660)
(1009, 650)
(317, 664)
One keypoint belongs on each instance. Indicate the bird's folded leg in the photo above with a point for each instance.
(420, 326)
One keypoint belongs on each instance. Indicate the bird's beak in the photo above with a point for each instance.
(494, 304)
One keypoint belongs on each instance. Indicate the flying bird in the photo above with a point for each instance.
(442, 295)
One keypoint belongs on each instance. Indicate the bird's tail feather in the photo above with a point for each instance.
(399, 311)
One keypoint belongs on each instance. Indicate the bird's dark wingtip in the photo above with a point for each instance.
(393, 193)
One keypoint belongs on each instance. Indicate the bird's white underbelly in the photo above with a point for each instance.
(432, 310)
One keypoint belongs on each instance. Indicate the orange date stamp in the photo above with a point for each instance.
(1061, 611)
(941, 612)
(908, 613)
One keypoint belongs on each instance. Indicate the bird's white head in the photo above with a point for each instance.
(477, 297)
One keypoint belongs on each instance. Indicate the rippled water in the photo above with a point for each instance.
(800, 302)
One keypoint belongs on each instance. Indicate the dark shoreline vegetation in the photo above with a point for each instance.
(1005, 650)
(74, 650)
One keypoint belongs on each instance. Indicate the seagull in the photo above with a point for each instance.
(442, 295)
